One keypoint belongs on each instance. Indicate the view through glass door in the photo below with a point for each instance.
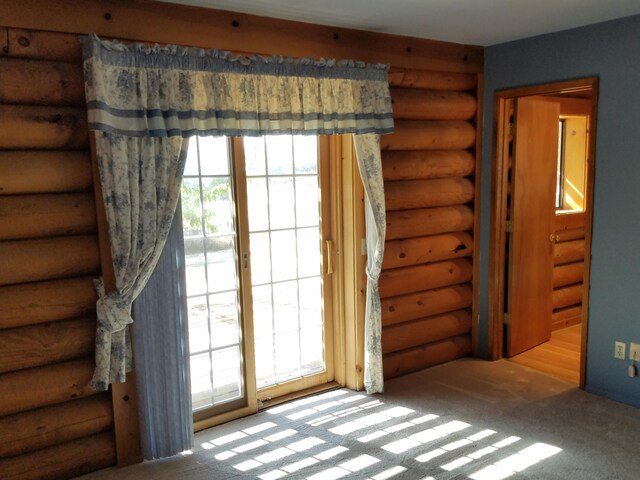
(253, 230)
(213, 289)
(283, 193)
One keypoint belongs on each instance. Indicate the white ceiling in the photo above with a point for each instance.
(476, 22)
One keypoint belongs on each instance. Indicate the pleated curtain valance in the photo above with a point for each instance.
(177, 91)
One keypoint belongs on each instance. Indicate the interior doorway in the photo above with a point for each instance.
(542, 204)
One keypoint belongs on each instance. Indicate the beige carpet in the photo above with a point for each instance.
(467, 419)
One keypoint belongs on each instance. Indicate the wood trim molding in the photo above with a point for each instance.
(354, 265)
(497, 230)
(476, 215)
(591, 175)
(148, 21)
(124, 396)
(498, 212)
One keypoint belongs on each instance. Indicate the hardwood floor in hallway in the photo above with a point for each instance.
(559, 357)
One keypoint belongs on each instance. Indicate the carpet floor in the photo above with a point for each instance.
(466, 419)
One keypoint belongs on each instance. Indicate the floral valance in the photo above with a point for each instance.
(143, 91)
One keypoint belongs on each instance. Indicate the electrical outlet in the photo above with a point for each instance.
(634, 351)
(620, 350)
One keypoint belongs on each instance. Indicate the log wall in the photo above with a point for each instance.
(429, 166)
(52, 425)
(568, 270)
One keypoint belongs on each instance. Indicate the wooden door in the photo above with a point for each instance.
(533, 209)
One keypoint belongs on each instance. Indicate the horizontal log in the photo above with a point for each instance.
(46, 343)
(25, 261)
(439, 192)
(404, 308)
(34, 303)
(67, 460)
(28, 171)
(569, 221)
(419, 104)
(430, 135)
(567, 296)
(46, 215)
(41, 127)
(49, 83)
(565, 317)
(568, 274)
(434, 248)
(418, 358)
(35, 44)
(42, 386)
(571, 234)
(209, 28)
(568, 252)
(412, 165)
(401, 281)
(43, 427)
(4, 41)
(425, 330)
(428, 221)
(407, 77)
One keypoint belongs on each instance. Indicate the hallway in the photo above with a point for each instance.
(559, 357)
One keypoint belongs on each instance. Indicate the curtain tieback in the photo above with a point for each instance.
(371, 276)
(113, 312)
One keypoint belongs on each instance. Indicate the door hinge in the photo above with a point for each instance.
(507, 319)
(508, 226)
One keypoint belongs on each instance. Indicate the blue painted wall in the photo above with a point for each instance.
(611, 51)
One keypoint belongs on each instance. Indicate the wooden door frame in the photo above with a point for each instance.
(346, 229)
(499, 190)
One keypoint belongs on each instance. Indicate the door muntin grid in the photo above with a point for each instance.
(285, 246)
(213, 296)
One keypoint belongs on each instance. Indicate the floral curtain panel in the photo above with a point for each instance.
(143, 101)
(140, 180)
(368, 156)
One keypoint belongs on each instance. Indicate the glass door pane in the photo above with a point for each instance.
(210, 239)
(285, 250)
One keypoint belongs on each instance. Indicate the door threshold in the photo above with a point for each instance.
(289, 397)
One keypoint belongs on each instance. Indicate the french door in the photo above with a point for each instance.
(257, 249)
